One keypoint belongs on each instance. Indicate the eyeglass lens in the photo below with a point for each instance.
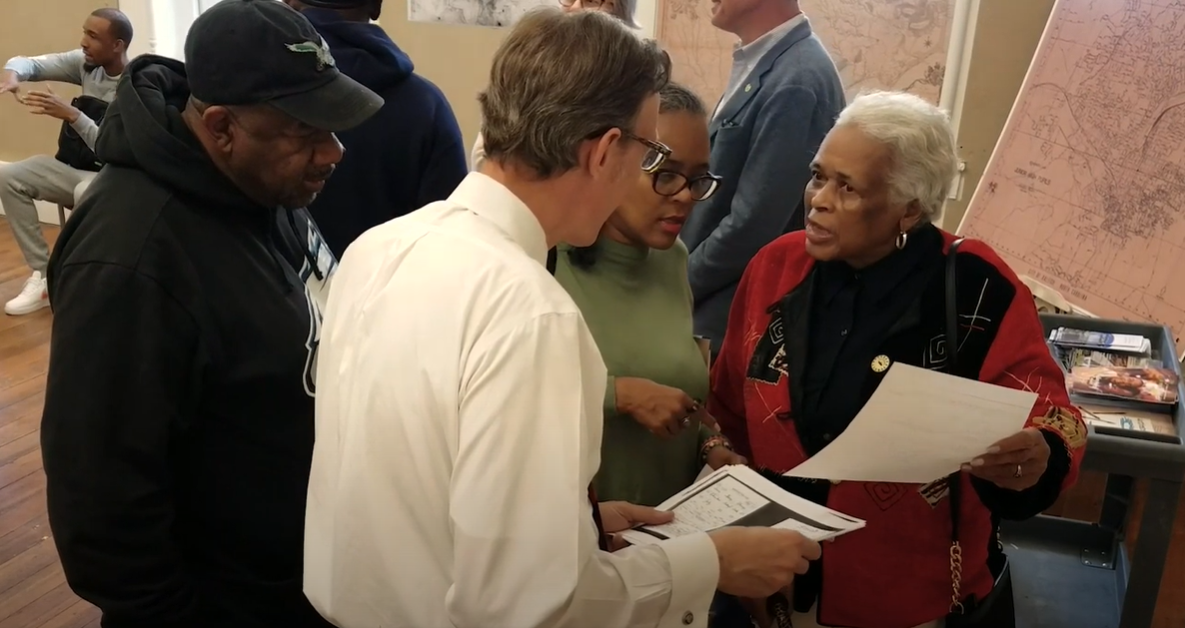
(670, 183)
(652, 160)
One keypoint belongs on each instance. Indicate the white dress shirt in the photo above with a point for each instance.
(458, 428)
(745, 58)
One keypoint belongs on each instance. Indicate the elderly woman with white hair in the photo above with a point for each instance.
(819, 318)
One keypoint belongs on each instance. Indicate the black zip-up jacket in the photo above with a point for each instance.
(178, 426)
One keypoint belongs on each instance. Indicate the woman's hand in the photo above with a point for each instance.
(720, 456)
(1015, 463)
(663, 410)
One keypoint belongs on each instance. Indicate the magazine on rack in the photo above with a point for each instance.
(739, 496)
(1146, 384)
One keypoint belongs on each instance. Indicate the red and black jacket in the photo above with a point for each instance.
(896, 572)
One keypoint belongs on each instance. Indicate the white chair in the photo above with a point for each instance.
(78, 191)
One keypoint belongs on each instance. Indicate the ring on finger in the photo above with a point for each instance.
(1019, 471)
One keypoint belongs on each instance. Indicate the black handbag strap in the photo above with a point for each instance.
(954, 481)
(952, 314)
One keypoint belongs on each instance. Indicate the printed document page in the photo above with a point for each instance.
(739, 496)
(919, 426)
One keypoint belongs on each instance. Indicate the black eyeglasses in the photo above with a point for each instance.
(670, 183)
(655, 157)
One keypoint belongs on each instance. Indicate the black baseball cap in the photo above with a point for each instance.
(338, 4)
(249, 52)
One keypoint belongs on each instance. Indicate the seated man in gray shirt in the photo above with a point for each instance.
(96, 66)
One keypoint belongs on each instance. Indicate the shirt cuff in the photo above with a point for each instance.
(695, 572)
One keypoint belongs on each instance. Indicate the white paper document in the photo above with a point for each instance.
(919, 426)
(739, 496)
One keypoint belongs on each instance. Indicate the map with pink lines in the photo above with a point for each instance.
(876, 44)
(1085, 191)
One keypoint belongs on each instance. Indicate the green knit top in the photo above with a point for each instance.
(637, 303)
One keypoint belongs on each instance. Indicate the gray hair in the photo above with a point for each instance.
(561, 78)
(675, 98)
(922, 142)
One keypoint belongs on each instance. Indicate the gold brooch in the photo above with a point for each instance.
(880, 363)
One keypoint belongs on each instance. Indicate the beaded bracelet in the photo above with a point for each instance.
(712, 443)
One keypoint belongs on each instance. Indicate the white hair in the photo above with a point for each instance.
(922, 142)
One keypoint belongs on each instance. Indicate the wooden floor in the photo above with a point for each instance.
(33, 592)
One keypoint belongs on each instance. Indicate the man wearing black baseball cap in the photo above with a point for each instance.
(409, 154)
(187, 294)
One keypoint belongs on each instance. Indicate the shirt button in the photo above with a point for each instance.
(827, 438)
(843, 333)
(688, 618)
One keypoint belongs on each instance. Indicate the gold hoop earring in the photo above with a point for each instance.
(902, 240)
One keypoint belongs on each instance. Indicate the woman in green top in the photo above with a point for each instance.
(631, 286)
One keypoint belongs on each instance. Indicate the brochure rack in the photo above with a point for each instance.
(1072, 574)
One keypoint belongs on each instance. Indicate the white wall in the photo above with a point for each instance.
(140, 12)
(646, 15)
(161, 25)
(46, 212)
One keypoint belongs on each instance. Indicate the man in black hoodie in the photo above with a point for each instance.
(409, 155)
(178, 425)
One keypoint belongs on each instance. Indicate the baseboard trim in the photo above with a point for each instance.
(47, 213)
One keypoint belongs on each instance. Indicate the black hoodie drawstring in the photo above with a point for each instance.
(304, 247)
(274, 236)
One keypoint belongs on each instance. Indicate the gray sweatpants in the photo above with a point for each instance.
(40, 178)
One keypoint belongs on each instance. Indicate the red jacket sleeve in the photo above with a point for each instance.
(1019, 358)
(726, 400)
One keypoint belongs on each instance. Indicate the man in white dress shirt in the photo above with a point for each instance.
(460, 392)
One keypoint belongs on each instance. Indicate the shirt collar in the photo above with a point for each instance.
(492, 201)
(757, 48)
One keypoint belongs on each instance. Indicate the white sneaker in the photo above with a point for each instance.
(33, 297)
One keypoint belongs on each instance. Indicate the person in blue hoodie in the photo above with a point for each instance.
(408, 155)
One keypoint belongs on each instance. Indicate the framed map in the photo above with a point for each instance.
(1085, 191)
(876, 44)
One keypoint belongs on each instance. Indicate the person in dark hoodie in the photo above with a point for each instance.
(409, 155)
(178, 426)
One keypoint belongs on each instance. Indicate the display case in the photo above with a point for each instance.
(1072, 574)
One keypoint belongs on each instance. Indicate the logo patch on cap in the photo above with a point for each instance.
(324, 59)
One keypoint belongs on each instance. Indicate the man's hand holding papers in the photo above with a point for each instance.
(758, 562)
(764, 535)
(621, 516)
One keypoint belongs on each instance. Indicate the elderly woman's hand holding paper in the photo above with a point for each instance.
(1015, 463)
